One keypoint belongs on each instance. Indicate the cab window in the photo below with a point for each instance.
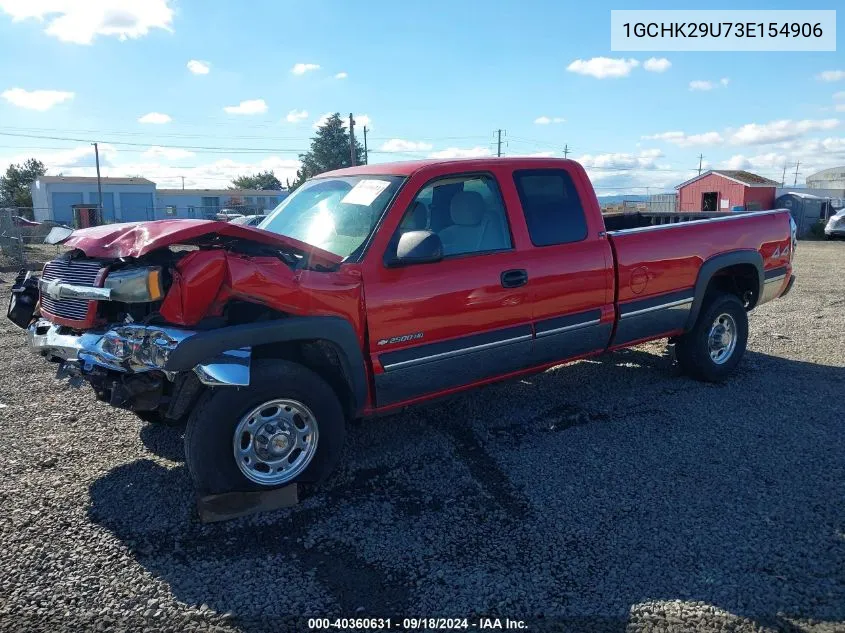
(551, 205)
(466, 212)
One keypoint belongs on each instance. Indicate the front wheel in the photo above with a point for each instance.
(717, 341)
(287, 426)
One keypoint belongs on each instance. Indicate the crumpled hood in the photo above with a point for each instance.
(134, 239)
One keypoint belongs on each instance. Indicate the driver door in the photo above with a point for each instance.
(437, 327)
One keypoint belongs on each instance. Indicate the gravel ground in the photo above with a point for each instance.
(610, 494)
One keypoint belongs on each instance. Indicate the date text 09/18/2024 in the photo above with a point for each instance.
(416, 624)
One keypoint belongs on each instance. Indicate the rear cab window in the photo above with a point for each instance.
(551, 205)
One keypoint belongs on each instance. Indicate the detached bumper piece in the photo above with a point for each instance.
(23, 299)
(131, 350)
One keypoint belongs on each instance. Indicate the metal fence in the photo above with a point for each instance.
(654, 204)
(22, 240)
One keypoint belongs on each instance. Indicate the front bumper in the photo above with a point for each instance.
(134, 349)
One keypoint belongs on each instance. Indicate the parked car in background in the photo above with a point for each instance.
(249, 220)
(227, 215)
(380, 286)
(835, 225)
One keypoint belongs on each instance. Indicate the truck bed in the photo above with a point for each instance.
(658, 266)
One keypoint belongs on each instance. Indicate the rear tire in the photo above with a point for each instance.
(242, 439)
(715, 345)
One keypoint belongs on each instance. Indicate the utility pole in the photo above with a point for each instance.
(183, 183)
(700, 159)
(366, 153)
(783, 177)
(566, 150)
(499, 145)
(795, 184)
(351, 140)
(99, 184)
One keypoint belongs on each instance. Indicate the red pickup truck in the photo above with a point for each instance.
(380, 286)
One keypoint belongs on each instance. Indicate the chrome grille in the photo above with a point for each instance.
(76, 272)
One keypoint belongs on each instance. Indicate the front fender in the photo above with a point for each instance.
(204, 346)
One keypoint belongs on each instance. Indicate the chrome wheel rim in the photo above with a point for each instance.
(721, 341)
(275, 442)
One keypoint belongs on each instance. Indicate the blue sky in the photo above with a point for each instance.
(435, 78)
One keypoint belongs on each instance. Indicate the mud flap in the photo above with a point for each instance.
(232, 505)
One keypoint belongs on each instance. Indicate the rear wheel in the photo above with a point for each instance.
(287, 426)
(716, 344)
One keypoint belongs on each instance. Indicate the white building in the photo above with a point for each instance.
(833, 178)
(136, 199)
(205, 203)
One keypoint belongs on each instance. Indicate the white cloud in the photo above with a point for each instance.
(250, 106)
(155, 117)
(216, 174)
(301, 69)
(295, 116)
(763, 162)
(545, 120)
(80, 21)
(401, 145)
(783, 130)
(167, 153)
(40, 100)
(547, 154)
(840, 107)
(81, 156)
(725, 81)
(321, 121)
(646, 159)
(657, 65)
(839, 96)
(199, 67)
(341, 75)
(681, 139)
(814, 154)
(698, 84)
(603, 67)
(831, 75)
(360, 121)
(456, 152)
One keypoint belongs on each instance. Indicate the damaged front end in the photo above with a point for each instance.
(127, 365)
(113, 310)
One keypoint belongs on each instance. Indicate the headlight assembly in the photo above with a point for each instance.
(136, 285)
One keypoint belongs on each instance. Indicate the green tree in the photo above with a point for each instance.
(15, 185)
(329, 150)
(265, 180)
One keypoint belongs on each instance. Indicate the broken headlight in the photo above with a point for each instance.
(136, 285)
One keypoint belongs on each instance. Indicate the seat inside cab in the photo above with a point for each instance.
(467, 214)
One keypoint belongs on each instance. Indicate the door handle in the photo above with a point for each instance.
(514, 278)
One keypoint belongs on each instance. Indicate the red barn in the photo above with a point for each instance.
(725, 190)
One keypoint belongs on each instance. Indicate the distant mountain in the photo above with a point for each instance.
(620, 198)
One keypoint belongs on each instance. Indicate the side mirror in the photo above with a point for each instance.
(418, 247)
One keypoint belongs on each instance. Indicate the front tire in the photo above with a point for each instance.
(287, 426)
(715, 345)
